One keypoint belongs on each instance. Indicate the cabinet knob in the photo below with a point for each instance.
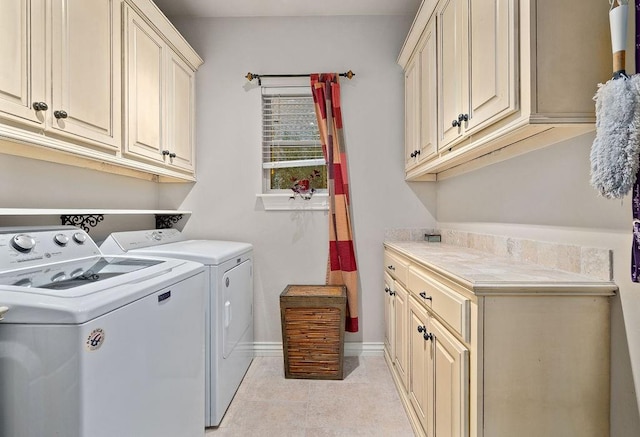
(463, 117)
(40, 106)
(455, 123)
(165, 152)
(392, 293)
(427, 336)
(391, 267)
(413, 154)
(422, 329)
(425, 297)
(417, 152)
(172, 155)
(387, 289)
(60, 114)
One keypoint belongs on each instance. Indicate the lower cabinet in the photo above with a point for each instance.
(401, 355)
(501, 360)
(438, 375)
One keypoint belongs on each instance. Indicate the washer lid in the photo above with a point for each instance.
(208, 252)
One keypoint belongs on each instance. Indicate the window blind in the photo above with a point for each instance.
(290, 136)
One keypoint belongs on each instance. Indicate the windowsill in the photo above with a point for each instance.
(284, 202)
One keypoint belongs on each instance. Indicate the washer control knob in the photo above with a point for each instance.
(76, 273)
(61, 239)
(58, 277)
(24, 282)
(156, 236)
(79, 237)
(23, 243)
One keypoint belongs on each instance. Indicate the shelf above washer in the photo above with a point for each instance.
(89, 218)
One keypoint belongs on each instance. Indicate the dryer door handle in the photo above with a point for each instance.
(227, 314)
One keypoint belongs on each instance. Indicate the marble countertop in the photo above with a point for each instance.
(483, 272)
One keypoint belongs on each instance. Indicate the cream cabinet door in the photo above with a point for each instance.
(451, 383)
(428, 92)
(400, 331)
(22, 50)
(145, 76)
(452, 83)
(180, 113)
(421, 366)
(85, 71)
(493, 54)
(411, 112)
(389, 316)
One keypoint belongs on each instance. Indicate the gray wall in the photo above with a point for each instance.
(545, 195)
(291, 247)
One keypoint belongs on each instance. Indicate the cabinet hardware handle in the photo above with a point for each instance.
(391, 267)
(413, 154)
(427, 335)
(425, 297)
(60, 114)
(40, 106)
(417, 152)
(387, 289)
(463, 117)
(172, 155)
(165, 152)
(455, 123)
(392, 293)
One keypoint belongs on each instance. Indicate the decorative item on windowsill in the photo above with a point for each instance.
(302, 187)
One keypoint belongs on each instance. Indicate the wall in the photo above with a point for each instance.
(545, 195)
(29, 183)
(291, 247)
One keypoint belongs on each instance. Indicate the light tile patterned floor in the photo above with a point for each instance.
(365, 403)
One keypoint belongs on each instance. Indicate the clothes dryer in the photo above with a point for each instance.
(229, 304)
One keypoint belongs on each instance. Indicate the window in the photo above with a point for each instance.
(291, 148)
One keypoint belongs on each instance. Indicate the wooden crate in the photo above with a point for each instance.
(313, 318)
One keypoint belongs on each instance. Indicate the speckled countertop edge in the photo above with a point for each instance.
(484, 273)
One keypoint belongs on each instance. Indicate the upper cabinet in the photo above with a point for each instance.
(85, 71)
(160, 97)
(506, 79)
(105, 84)
(22, 38)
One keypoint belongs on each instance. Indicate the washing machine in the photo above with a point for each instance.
(94, 345)
(229, 304)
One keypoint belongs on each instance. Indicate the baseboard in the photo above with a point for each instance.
(351, 349)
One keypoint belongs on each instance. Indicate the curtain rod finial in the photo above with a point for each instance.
(349, 74)
(250, 76)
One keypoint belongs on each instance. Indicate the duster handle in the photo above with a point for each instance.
(618, 24)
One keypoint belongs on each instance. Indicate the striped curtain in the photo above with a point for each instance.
(341, 265)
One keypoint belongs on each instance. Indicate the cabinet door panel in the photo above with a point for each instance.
(85, 71)
(451, 383)
(411, 113)
(389, 315)
(145, 76)
(428, 93)
(23, 53)
(180, 112)
(420, 367)
(450, 69)
(493, 55)
(401, 324)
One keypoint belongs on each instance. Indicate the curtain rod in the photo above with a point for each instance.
(250, 76)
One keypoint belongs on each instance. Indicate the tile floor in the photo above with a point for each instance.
(365, 403)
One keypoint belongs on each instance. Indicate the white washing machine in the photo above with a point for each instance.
(97, 346)
(229, 304)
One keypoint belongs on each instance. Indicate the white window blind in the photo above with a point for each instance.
(290, 138)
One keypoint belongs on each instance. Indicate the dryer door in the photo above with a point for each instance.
(237, 284)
